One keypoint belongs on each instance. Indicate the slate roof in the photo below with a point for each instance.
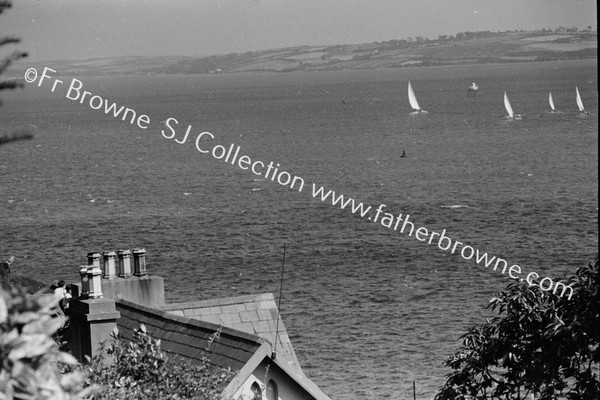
(187, 337)
(254, 314)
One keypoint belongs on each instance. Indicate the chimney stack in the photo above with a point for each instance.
(124, 257)
(85, 287)
(94, 274)
(94, 258)
(110, 271)
(102, 279)
(139, 262)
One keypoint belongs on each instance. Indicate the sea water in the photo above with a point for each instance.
(369, 310)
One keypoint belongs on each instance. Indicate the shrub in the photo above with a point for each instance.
(141, 370)
(30, 358)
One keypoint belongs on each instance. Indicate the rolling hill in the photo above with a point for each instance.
(463, 48)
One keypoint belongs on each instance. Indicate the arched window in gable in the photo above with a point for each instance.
(272, 393)
(256, 392)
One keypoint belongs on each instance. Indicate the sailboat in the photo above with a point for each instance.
(413, 100)
(580, 103)
(509, 109)
(552, 108)
(473, 90)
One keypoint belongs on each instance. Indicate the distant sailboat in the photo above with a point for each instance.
(552, 108)
(509, 109)
(580, 103)
(473, 90)
(413, 100)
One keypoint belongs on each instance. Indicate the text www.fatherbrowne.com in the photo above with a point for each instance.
(206, 145)
(403, 224)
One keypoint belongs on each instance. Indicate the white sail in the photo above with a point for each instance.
(509, 109)
(412, 98)
(579, 102)
(551, 101)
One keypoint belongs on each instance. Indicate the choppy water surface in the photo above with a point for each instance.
(369, 310)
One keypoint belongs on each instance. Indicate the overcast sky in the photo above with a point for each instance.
(82, 29)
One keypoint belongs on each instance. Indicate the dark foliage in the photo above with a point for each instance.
(5, 62)
(141, 370)
(540, 345)
(12, 57)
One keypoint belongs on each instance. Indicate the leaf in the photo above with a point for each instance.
(46, 324)
(25, 318)
(31, 346)
(66, 358)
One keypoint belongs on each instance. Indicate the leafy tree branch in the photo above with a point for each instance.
(539, 344)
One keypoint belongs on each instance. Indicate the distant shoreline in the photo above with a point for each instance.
(473, 48)
(67, 73)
